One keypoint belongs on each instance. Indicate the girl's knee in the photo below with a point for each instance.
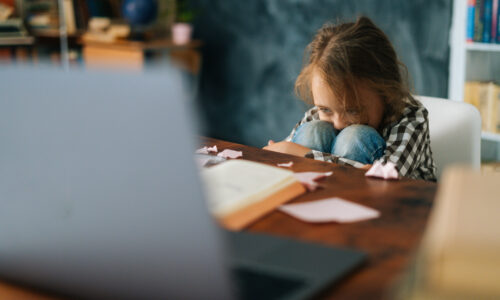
(357, 130)
(316, 134)
(359, 142)
(317, 126)
(359, 134)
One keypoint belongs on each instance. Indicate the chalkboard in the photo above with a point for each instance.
(253, 53)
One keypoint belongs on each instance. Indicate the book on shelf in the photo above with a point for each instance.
(240, 191)
(485, 96)
(69, 16)
(82, 15)
(43, 16)
(12, 28)
(483, 25)
(479, 20)
(496, 16)
(488, 8)
(471, 5)
(494, 21)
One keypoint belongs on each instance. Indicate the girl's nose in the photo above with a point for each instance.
(337, 121)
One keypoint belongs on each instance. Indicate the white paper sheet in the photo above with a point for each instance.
(286, 165)
(206, 150)
(308, 179)
(330, 210)
(387, 171)
(228, 153)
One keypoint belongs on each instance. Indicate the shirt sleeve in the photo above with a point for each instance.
(311, 114)
(406, 143)
(328, 157)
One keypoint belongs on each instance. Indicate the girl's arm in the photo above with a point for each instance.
(408, 147)
(287, 147)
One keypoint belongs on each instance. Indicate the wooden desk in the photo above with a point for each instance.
(389, 240)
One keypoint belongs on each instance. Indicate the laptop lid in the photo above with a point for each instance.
(97, 199)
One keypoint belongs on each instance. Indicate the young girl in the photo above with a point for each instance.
(363, 111)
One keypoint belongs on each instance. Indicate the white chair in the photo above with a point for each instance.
(455, 132)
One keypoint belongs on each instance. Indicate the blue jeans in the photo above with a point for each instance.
(356, 142)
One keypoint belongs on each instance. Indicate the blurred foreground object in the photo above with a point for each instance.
(460, 253)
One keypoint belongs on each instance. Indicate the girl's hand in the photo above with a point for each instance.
(366, 167)
(287, 147)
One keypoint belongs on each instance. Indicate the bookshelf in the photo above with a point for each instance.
(482, 47)
(470, 61)
(495, 137)
(46, 25)
(60, 29)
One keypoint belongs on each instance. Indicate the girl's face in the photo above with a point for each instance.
(330, 109)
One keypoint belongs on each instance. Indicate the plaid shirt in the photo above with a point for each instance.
(407, 143)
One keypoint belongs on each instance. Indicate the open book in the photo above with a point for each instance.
(241, 191)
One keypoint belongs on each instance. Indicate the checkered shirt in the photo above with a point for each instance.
(408, 144)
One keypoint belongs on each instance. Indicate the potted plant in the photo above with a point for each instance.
(182, 28)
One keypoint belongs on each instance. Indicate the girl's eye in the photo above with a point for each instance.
(352, 112)
(325, 110)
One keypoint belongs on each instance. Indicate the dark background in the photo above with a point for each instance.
(254, 51)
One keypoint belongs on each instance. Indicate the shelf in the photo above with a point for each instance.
(482, 47)
(490, 136)
(16, 41)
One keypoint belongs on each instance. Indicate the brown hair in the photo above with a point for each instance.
(347, 53)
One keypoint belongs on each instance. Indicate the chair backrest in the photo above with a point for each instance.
(455, 132)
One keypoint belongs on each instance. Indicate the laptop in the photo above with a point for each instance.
(100, 198)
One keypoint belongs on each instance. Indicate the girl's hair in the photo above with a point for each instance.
(351, 53)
